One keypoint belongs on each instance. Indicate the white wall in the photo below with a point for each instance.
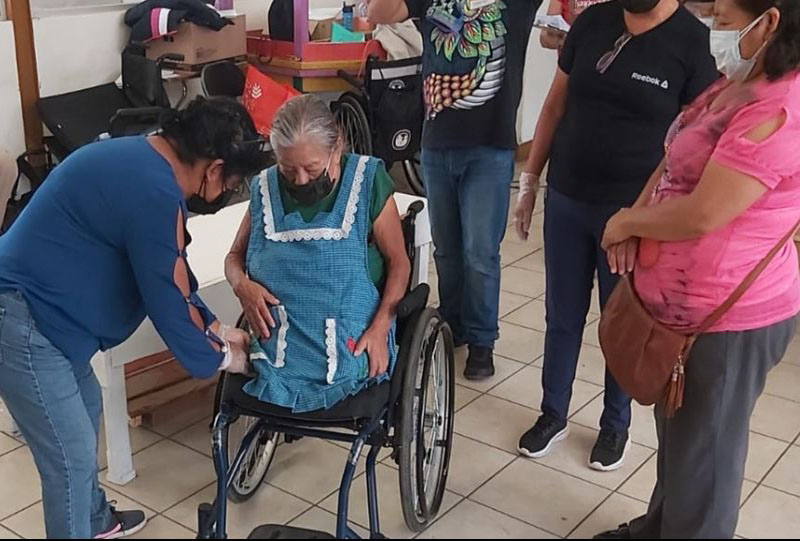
(12, 134)
(540, 66)
(79, 50)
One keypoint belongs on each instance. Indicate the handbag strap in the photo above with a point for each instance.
(747, 282)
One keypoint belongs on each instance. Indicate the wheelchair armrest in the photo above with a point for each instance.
(123, 119)
(168, 61)
(170, 57)
(136, 112)
(349, 79)
(415, 300)
(414, 209)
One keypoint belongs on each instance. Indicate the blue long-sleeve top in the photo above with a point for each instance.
(95, 252)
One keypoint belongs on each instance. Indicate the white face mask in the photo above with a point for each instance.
(725, 49)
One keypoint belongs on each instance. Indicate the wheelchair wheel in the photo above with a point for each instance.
(351, 116)
(257, 459)
(260, 454)
(413, 171)
(427, 420)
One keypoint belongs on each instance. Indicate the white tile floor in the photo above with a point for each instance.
(492, 493)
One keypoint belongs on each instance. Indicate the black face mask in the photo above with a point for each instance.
(310, 193)
(198, 205)
(639, 6)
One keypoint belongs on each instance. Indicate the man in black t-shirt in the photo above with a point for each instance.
(473, 63)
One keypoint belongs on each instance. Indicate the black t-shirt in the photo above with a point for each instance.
(611, 137)
(473, 67)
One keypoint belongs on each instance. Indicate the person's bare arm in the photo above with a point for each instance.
(235, 267)
(551, 38)
(387, 11)
(647, 193)
(254, 297)
(552, 112)
(388, 233)
(721, 195)
(622, 256)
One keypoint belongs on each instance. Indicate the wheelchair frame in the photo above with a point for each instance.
(387, 426)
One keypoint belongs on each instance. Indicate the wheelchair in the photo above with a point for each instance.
(78, 118)
(412, 414)
(383, 116)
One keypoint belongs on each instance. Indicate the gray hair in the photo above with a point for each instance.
(301, 118)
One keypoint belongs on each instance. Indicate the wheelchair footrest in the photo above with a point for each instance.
(275, 531)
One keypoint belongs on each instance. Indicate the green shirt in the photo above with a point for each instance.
(382, 190)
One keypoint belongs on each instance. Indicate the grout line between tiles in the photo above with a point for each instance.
(12, 515)
(551, 468)
(504, 513)
(593, 511)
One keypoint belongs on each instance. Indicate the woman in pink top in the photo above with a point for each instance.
(726, 194)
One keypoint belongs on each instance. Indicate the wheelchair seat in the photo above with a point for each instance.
(349, 413)
(77, 118)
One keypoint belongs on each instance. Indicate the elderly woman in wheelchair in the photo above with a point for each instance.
(322, 237)
(321, 267)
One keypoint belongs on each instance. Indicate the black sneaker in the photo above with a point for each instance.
(539, 440)
(609, 451)
(123, 524)
(623, 532)
(480, 363)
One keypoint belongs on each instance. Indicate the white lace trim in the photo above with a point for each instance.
(280, 355)
(321, 233)
(330, 348)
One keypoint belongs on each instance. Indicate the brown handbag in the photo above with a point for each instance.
(648, 359)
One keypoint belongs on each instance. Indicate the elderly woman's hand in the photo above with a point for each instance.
(376, 343)
(622, 256)
(256, 300)
(616, 230)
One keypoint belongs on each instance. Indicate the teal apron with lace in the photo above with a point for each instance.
(318, 270)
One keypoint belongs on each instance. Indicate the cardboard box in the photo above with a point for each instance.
(200, 45)
(321, 30)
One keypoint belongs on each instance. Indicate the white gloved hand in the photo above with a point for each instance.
(526, 201)
(237, 360)
(235, 336)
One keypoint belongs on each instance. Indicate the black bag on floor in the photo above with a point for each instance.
(35, 175)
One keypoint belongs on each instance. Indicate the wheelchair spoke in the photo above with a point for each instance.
(257, 458)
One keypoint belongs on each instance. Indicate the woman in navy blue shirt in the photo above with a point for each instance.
(101, 245)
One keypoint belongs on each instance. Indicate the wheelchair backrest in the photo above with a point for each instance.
(223, 79)
(397, 110)
(141, 80)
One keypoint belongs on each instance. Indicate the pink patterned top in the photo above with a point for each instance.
(690, 279)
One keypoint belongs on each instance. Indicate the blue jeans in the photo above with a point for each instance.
(572, 234)
(468, 193)
(57, 406)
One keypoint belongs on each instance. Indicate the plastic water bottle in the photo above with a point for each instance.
(347, 16)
